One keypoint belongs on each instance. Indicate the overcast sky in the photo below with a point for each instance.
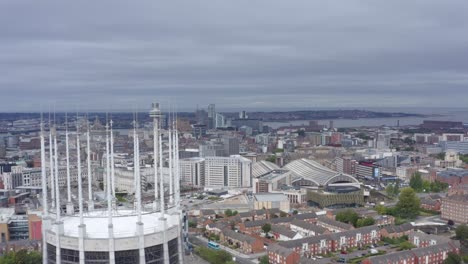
(237, 54)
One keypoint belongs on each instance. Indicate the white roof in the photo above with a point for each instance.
(124, 222)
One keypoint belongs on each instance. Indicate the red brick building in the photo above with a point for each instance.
(455, 208)
(281, 255)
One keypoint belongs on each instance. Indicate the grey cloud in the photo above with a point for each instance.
(252, 54)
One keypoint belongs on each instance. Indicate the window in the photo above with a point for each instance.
(358, 237)
(323, 243)
(342, 240)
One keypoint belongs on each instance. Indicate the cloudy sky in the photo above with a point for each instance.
(240, 54)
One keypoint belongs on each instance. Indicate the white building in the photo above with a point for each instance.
(234, 171)
(192, 171)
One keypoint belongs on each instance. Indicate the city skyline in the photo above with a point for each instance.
(258, 55)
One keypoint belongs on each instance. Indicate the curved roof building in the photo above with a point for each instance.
(263, 167)
(308, 172)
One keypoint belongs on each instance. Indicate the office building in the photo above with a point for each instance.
(192, 171)
(234, 172)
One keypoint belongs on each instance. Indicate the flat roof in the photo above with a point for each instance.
(267, 197)
(124, 222)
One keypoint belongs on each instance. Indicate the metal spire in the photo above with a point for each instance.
(51, 162)
(59, 224)
(57, 188)
(112, 158)
(171, 180)
(90, 189)
(70, 209)
(137, 172)
(108, 180)
(44, 193)
(78, 158)
(161, 178)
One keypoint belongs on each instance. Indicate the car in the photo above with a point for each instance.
(344, 252)
(386, 244)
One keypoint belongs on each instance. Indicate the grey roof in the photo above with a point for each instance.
(399, 228)
(208, 212)
(457, 197)
(333, 236)
(395, 257)
(453, 172)
(238, 236)
(283, 231)
(305, 216)
(278, 249)
(262, 167)
(335, 223)
(426, 237)
(303, 224)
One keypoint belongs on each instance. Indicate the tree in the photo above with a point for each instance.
(295, 212)
(228, 213)
(22, 256)
(453, 258)
(416, 182)
(450, 222)
(266, 228)
(405, 245)
(381, 209)
(365, 222)
(392, 190)
(461, 232)
(408, 204)
(426, 186)
(264, 260)
(192, 224)
(347, 216)
(389, 190)
(271, 159)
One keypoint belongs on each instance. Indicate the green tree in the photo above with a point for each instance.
(381, 209)
(461, 232)
(271, 159)
(264, 260)
(228, 213)
(405, 245)
(453, 258)
(416, 182)
(22, 256)
(347, 216)
(389, 190)
(426, 186)
(266, 228)
(365, 222)
(295, 212)
(408, 204)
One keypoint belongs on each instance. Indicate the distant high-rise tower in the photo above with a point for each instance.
(211, 116)
(243, 115)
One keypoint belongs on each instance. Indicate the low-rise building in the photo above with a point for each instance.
(281, 255)
(455, 208)
(245, 243)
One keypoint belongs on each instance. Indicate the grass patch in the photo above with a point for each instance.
(214, 256)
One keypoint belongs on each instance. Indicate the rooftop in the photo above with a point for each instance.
(124, 222)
